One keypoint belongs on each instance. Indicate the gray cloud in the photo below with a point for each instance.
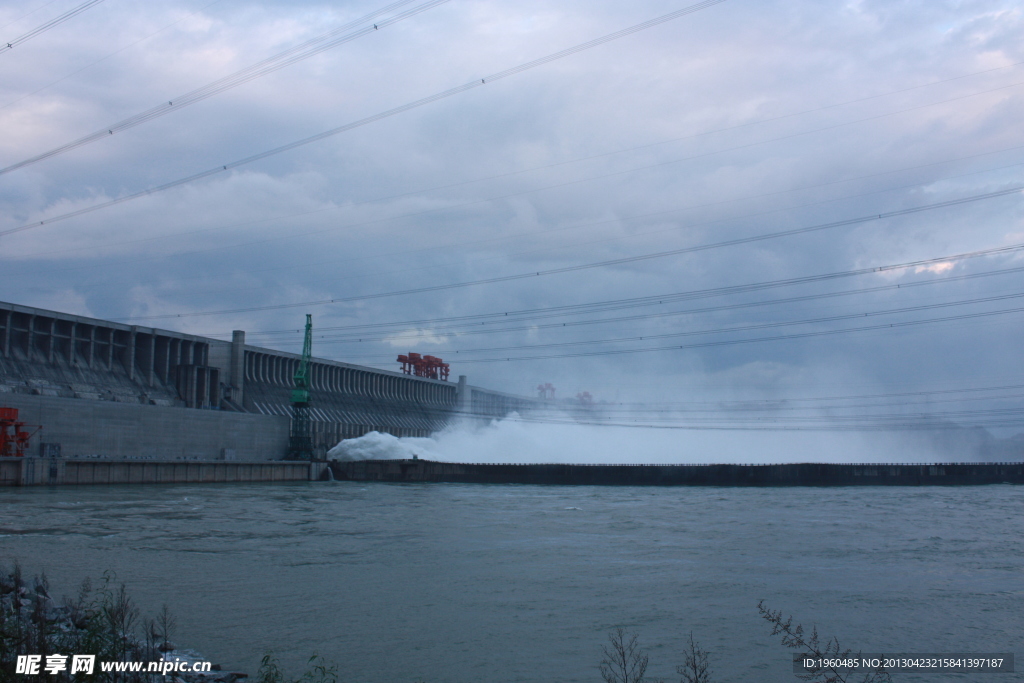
(737, 120)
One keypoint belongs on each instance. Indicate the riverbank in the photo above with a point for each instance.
(97, 633)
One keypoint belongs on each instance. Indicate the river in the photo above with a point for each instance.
(465, 583)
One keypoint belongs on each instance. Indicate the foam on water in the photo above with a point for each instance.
(377, 446)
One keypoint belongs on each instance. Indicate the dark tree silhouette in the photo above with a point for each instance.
(793, 636)
(696, 668)
(624, 660)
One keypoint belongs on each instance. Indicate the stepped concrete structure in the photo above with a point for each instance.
(109, 390)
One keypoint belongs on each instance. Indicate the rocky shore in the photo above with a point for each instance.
(100, 621)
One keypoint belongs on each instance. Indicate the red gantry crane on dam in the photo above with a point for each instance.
(430, 367)
(13, 437)
(300, 436)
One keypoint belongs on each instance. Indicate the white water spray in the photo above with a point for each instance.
(512, 440)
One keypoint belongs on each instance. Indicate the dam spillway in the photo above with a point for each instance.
(795, 474)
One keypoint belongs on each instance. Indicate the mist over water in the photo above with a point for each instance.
(514, 440)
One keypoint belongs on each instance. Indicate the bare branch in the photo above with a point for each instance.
(696, 668)
(624, 661)
(793, 637)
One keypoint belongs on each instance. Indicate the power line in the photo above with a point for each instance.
(42, 28)
(376, 117)
(279, 61)
(601, 264)
(220, 169)
(622, 219)
(855, 417)
(463, 330)
(675, 228)
(923, 394)
(612, 305)
(16, 20)
(911, 423)
(615, 410)
(570, 415)
(116, 52)
(744, 328)
(193, 252)
(733, 342)
(598, 156)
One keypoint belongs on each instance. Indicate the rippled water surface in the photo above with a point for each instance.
(522, 583)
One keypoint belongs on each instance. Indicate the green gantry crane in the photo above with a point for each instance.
(300, 437)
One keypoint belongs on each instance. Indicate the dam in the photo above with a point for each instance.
(124, 404)
(101, 389)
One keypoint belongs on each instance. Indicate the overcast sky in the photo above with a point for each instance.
(741, 119)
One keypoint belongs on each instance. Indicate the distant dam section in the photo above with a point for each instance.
(798, 474)
(105, 389)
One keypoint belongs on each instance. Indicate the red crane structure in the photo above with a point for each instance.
(545, 390)
(430, 367)
(13, 437)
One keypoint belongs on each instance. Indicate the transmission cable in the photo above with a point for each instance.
(579, 160)
(279, 61)
(42, 28)
(376, 117)
(654, 412)
(361, 122)
(462, 330)
(12, 273)
(601, 264)
(754, 404)
(757, 405)
(724, 330)
(575, 226)
(733, 342)
(613, 305)
(17, 19)
(921, 422)
(116, 52)
(743, 328)
(883, 417)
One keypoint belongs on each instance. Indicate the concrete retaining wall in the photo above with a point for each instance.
(56, 471)
(117, 430)
(797, 474)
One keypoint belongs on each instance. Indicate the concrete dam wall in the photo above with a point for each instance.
(102, 388)
(86, 428)
(57, 471)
